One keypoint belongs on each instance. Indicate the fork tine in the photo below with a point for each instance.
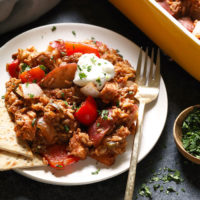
(157, 72)
(139, 64)
(151, 66)
(145, 67)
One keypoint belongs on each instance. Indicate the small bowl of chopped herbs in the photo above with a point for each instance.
(187, 133)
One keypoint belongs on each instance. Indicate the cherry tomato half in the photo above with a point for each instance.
(13, 68)
(87, 113)
(58, 157)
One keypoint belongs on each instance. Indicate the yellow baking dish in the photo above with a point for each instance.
(165, 31)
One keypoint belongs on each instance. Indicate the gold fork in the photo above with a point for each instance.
(148, 90)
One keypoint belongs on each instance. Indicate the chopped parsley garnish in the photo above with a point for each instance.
(118, 104)
(63, 53)
(42, 67)
(156, 186)
(3, 97)
(96, 172)
(170, 189)
(98, 81)
(74, 33)
(62, 94)
(34, 81)
(92, 38)
(33, 122)
(89, 68)
(79, 67)
(82, 75)
(25, 67)
(99, 64)
(66, 128)
(182, 189)
(52, 57)
(74, 106)
(53, 28)
(60, 166)
(98, 124)
(117, 50)
(31, 95)
(104, 114)
(73, 46)
(93, 60)
(191, 133)
(145, 191)
(66, 103)
(27, 84)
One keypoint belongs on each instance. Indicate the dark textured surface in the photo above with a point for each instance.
(182, 89)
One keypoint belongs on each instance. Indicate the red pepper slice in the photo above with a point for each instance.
(33, 75)
(74, 47)
(58, 157)
(87, 113)
(13, 68)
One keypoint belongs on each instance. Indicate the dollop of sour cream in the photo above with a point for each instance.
(93, 69)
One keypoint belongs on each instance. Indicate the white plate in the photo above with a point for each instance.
(155, 116)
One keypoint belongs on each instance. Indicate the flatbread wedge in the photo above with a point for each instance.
(11, 161)
(8, 140)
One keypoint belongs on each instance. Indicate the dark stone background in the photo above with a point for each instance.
(182, 89)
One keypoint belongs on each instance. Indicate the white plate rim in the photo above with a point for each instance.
(21, 171)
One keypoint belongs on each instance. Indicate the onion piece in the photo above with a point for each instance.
(90, 90)
(29, 90)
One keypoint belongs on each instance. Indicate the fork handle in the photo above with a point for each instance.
(134, 155)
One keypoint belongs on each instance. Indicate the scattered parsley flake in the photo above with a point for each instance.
(74, 33)
(66, 128)
(62, 94)
(98, 124)
(92, 38)
(99, 64)
(25, 67)
(73, 46)
(74, 106)
(63, 53)
(98, 81)
(104, 114)
(93, 60)
(60, 166)
(118, 104)
(79, 67)
(52, 57)
(34, 81)
(182, 189)
(66, 103)
(31, 95)
(156, 186)
(27, 84)
(42, 67)
(53, 28)
(145, 191)
(117, 50)
(170, 189)
(96, 172)
(3, 97)
(161, 188)
(82, 75)
(33, 122)
(89, 68)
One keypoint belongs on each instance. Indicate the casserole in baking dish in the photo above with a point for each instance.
(165, 31)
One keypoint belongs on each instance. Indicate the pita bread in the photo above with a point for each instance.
(11, 161)
(8, 140)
